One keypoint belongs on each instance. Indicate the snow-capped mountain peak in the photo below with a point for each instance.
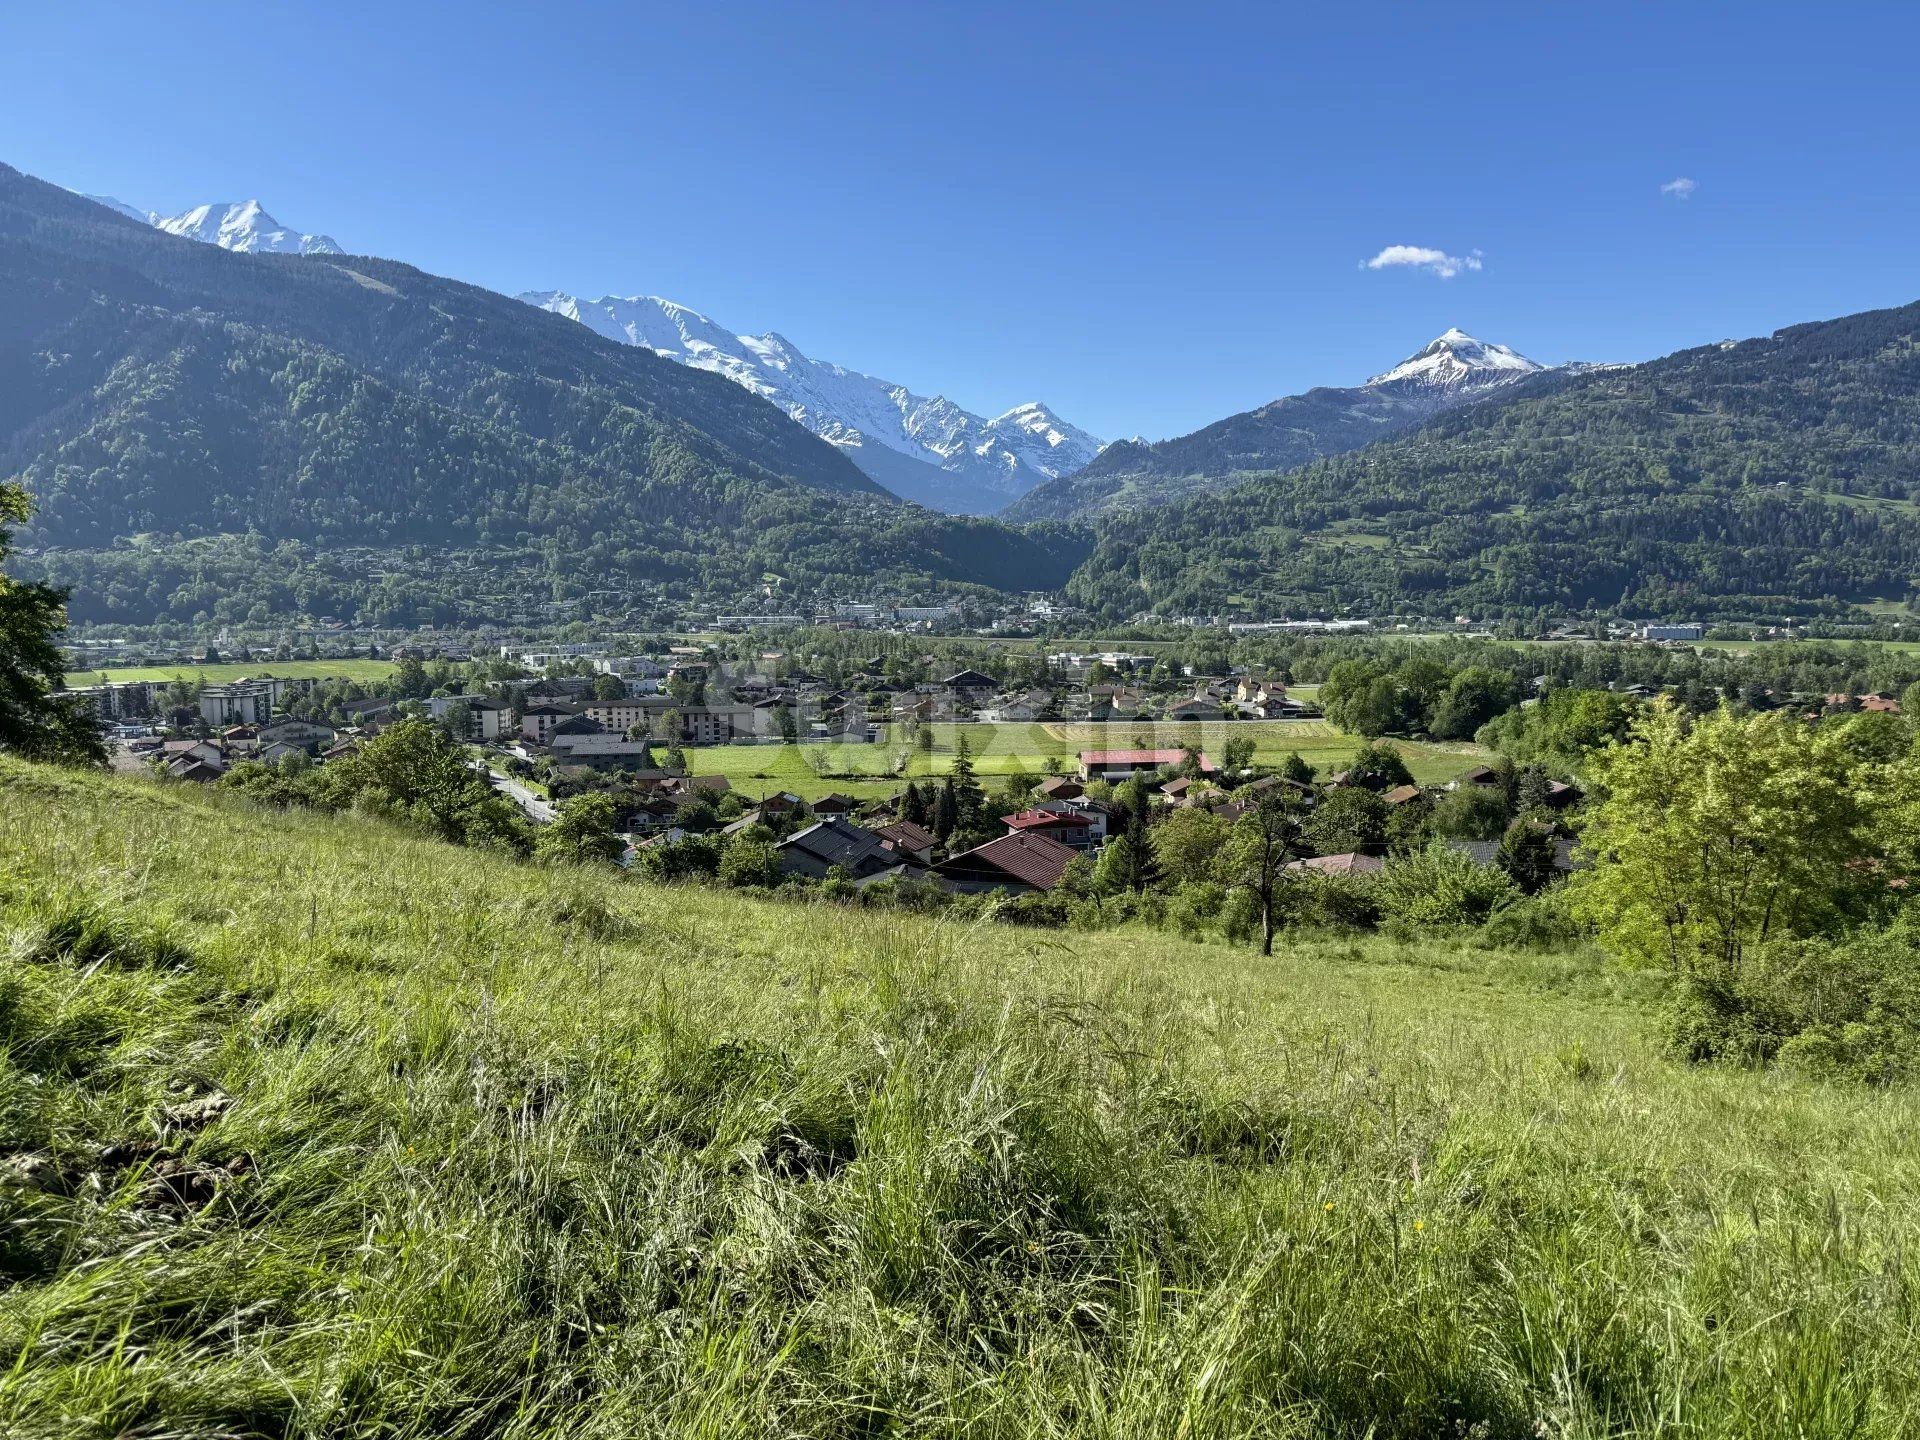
(145, 217)
(1457, 360)
(924, 448)
(246, 227)
(1043, 440)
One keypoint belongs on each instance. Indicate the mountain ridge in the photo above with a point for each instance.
(959, 461)
(926, 449)
(180, 390)
(1765, 479)
(1454, 369)
(245, 227)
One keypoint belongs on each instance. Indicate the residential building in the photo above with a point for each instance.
(537, 722)
(916, 842)
(1064, 827)
(1198, 707)
(177, 753)
(1350, 863)
(246, 702)
(1566, 858)
(1671, 633)
(301, 734)
(1015, 863)
(715, 724)
(971, 685)
(1124, 764)
(836, 844)
(1481, 776)
(1097, 816)
(486, 718)
(601, 751)
(122, 700)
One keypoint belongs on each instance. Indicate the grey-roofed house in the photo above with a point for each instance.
(836, 844)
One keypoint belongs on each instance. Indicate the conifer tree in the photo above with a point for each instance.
(913, 805)
(970, 800)
(32, 721)
(946, 810)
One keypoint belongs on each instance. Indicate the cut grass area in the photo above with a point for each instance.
(1040, 748)
(361, 670)
(1748, 647)
(540, 1154)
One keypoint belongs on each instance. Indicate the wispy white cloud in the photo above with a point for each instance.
(1422, 257)
(1681, 188)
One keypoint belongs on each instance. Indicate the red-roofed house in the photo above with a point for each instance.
(1017, 863)
(915, 841)
(1068, 828)
(1122, 764)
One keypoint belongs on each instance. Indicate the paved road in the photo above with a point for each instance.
(536, 809)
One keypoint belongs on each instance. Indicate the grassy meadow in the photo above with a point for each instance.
(311, 1128)
(1750, 647)
(1041, 748)
(365, 671)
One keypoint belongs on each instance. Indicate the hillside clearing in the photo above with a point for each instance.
(530, 1153)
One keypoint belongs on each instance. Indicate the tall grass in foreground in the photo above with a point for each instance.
(515, 1153)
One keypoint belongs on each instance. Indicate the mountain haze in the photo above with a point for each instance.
(1455, 369)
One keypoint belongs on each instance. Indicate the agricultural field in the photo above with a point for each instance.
(365, 671)
(1041, 748)
(1748, 647)
(312, 1127)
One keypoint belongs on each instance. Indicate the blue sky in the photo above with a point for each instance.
(1148, 216)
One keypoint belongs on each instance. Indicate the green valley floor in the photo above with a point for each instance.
(311, 1128)
(1045, 747)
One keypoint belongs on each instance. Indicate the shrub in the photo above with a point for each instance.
(685, 859)
(1344, 902)
(748, 861)
(1526, 855)
(1240, 917)
(1441, 887)
(1849, 1007)
(1473, 812)
(1196, 906)
(1537, 922)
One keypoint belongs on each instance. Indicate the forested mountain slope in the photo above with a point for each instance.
(149, 385)
(1773, 476)
(1454, 369)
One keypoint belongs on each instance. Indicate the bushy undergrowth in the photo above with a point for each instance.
(1848, 1007)
(312, 1128)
